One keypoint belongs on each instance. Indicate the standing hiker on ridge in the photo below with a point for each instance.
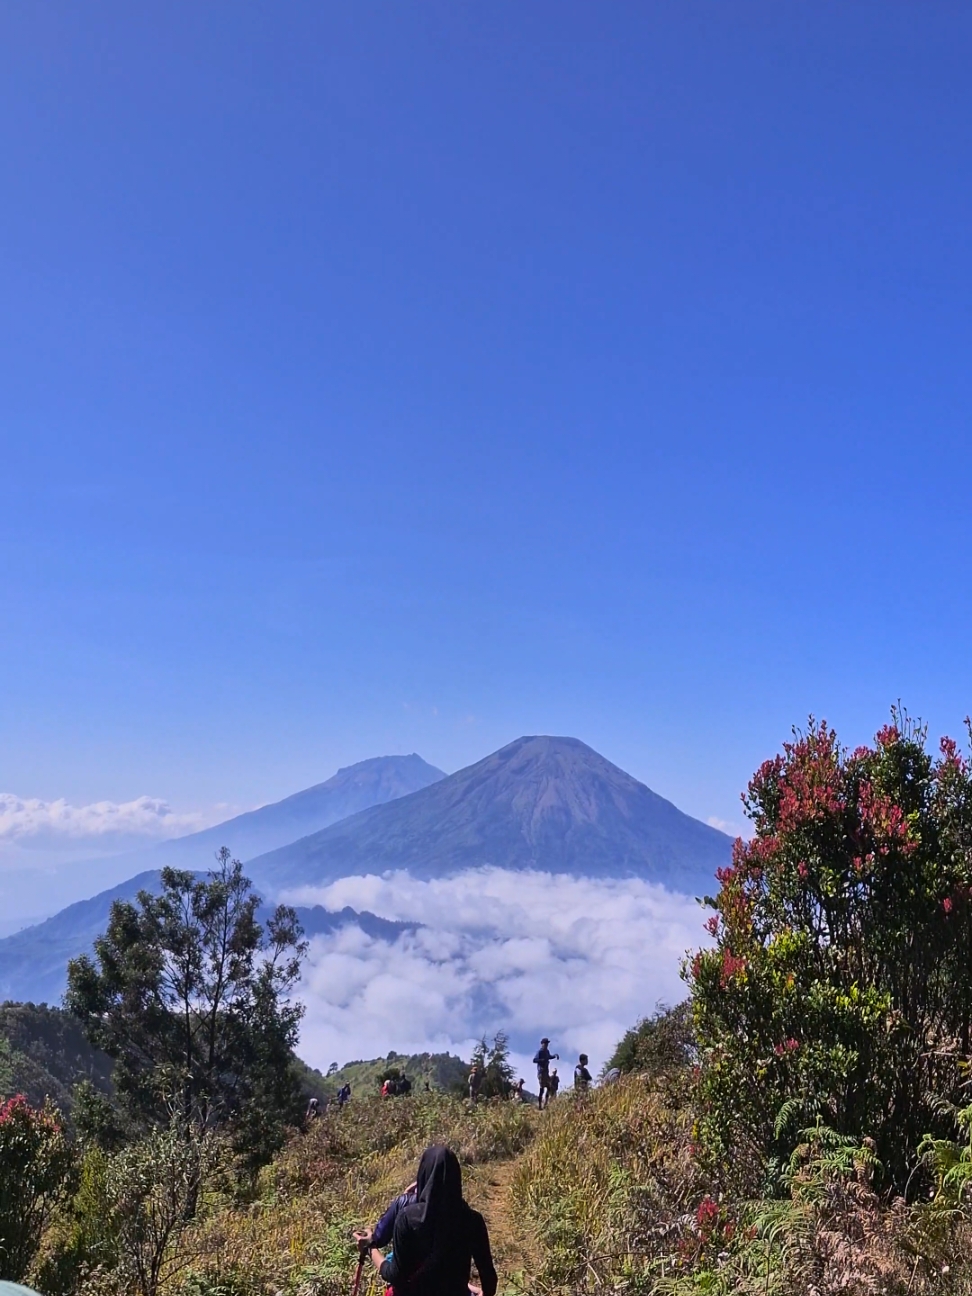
(475, 1082)
(541, 1060)
(582, 1077)
(553, 1084)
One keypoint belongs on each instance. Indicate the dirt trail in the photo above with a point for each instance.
(490, 1192)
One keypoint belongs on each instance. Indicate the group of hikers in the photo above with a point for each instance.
(397, 1087)
(315, 1109)
(434, 1234)
(548, 1081)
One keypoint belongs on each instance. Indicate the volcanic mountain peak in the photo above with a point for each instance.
(540, 802)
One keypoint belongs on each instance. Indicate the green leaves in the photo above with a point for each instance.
(840, 981)
(191, 996)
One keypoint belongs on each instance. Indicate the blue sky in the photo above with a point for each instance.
(392, 377)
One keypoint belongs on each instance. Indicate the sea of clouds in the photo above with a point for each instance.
(534, 954)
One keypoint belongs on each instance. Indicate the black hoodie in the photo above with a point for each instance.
(439, 1235)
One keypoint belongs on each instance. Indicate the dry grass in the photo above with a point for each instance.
(296, 1237)
(597, 1194)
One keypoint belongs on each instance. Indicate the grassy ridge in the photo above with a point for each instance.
(339, 1175)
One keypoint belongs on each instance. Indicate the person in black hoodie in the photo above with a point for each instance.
(438, 1236)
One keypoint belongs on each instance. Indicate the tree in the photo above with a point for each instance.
(660, 1046)
(189, 994)
(36, 1169)
(494, 1066)
(839, 986)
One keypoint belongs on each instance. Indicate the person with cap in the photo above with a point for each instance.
(541, 1060)
(553, 1084)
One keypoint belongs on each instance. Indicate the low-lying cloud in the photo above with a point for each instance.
(532, 953)
(27, 820)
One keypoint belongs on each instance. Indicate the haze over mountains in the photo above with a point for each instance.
(367, 783)
(551, 804)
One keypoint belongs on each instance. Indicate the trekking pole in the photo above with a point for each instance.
(357, 1275)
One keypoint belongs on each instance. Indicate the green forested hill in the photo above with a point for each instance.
(43, 1054)
(443, 1071)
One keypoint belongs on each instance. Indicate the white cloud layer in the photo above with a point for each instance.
(535, 954)
(27, 820)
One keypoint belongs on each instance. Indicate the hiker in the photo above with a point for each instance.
(612, 1076)
(475, 1082)
(516, 1093)
(313, 1109)
(541, 1060)
(553, 1084)
(437, 1236)
(386, 1089)
(582, 1077)
(344, 1094)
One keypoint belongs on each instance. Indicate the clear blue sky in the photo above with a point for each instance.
(411, 376)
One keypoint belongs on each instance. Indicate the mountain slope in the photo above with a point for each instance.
(44, 1053)
(33, 962)
(350, 790)
(544, 803)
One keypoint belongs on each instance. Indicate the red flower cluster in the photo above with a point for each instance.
(885, 819)
(730, 966)
(788, 1046)
(707, 1213)
(13, 1106)
(952, 758)
(809, 782)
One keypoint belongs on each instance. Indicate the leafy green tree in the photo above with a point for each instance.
(493, 1061)
(661, 1046)
(839, 986)
(36, 1172)
(190, 995)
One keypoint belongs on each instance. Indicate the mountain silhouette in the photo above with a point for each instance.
(552, 804)
(354, 788)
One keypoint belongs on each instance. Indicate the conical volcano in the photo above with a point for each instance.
(544, 803)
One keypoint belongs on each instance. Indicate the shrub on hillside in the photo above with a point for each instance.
(659, 1046)
(36, 1168)
(839, 984)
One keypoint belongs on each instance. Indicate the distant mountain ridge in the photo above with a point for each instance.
(351, 789)
(546, 803)
(33, 962)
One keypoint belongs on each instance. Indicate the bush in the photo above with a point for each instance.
(36, 1169)
(662, 1045)
(839, 985)
(83, 1237)
(153, 1189)
(605, 1196)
